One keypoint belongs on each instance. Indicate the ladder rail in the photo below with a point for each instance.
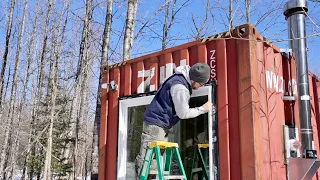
(203, 163)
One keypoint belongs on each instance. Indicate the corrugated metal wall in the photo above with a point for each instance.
(252, 77)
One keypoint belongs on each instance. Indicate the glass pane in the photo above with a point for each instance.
(192, 132)
(189, 133)
(135, 125)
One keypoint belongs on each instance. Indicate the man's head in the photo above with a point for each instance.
(199, 74)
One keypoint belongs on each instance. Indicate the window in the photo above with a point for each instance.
(187, 132)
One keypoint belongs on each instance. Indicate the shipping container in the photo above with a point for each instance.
(254, 119)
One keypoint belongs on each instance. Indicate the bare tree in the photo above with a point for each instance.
(199, 29)
(44, 48)
(53, 92)
(5, 150)
(38, 91)
(28, 73)
(129, 30)
(5, 60)
(13, 101)
(83, 104)
(169, 18)
(145, 25)
(60, 44)
(103, 62)
(230, 17)
(248, 10)
(81, 62)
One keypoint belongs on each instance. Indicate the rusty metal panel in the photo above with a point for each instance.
(316, 101)
(112, 128)
(154, 67)
(234, 131)
(277, 161)
(288, 105)
(265, 136)
(103, 125)
(271, 74)
(223, 101)
(193, 55)
(275, 113)
(313, 117)
(125, 80)
(248, 105)
(202, 53)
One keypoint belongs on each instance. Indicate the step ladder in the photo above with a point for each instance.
(202, 160)
(163, 169)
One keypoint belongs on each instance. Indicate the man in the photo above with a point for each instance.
(170, 104)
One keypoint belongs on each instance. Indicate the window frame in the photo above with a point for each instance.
(124, 106)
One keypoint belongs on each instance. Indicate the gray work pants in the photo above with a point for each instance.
(149, 134)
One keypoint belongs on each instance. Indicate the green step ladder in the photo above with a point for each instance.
(163, 170)
(202, 158)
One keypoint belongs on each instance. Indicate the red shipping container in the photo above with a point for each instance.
(252, 75)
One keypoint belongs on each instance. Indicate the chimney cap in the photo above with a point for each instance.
(294, 6)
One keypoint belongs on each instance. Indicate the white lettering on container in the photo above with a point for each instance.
(277, 83)
(213, 65)
(165, 72)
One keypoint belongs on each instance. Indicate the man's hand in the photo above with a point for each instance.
(207, 106)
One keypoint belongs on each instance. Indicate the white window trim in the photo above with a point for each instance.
(125, 104)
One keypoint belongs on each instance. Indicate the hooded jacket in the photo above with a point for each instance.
(171, 103)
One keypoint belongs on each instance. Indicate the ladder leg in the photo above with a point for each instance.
(180, 163)
(204, 167)
(168, 160)
(146, 164)
(193, 157)
(205, 155)
(159, 163)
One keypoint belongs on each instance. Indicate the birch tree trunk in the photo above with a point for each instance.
(81, 62)
(248, 10)
(129, 30)
(200, 29)
(54, 83)
(104, 62)
(53, 89)
(230, 15)
(8, 134)
(4, 64)
(15, 144)
(60, 46)
(87, 144)
(44, 49)
(83, 95)
(169, 18)
(40, 82)
(6, 89)
(25, 84)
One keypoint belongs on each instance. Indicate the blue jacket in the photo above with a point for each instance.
(161, 111)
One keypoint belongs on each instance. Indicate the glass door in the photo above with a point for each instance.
(188, 133)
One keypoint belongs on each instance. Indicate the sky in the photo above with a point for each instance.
(183, 26)
(273, 26)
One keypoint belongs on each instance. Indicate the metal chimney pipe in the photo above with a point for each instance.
(295, 12)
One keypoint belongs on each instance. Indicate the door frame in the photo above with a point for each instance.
(124, 106)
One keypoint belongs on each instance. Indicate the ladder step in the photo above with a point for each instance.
(174, 177)
(154, 172)
(194, 170)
